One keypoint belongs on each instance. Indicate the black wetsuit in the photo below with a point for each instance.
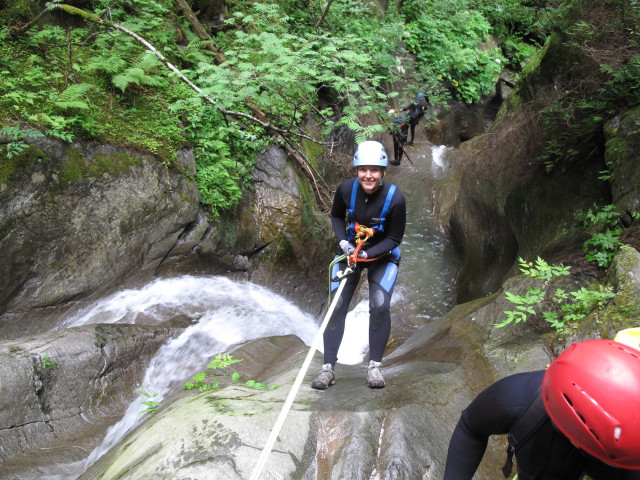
(381, 273)
(399, 133)
(549, 455)
(416, 111)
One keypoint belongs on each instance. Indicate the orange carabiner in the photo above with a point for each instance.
(363, 234)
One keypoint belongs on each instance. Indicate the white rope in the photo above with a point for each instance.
(296, 386)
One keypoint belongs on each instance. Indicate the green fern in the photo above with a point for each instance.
(106, 63)
(148, 60)
(136, 76)
(73, 96)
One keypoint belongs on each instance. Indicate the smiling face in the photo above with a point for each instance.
(370, 177)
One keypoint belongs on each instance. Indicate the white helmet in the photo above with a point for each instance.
(370, 153)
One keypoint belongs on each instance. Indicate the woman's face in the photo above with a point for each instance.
(370, 177)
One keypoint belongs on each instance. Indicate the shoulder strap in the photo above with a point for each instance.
(351, 230)
(352, 206)
(524, 428)
(385, 208)
(354, 191)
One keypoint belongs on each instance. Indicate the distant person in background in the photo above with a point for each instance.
(578, 420)
(415, 111)
(399, 131)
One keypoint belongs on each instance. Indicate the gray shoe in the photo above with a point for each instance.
(374, 375)
(325, 379)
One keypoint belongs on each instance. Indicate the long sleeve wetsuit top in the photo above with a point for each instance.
(549, 455)
(367, 212)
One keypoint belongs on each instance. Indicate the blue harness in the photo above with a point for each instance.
(351, 231)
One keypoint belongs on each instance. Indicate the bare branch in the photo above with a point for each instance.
(199, 29)
(324, 14)
(32, 22)
(259, 117)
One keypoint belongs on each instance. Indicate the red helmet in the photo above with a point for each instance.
(592, 394)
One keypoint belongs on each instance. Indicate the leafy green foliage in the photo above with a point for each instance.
(200, 384)
(219, 362)
(225, 154)
(61, 83)
(151, 406)
(99, 84)
(600, 40)
(291, 60)
(222, 360)
(446, 38)
(47, 363)
(542, 270)
(560, 309)
(282, 70)
(16, 137)
(606, 228)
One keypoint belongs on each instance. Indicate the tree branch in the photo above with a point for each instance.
(259, 117)
(324, 14)
(199, 29)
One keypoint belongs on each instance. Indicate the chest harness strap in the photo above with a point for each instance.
(351, 231)
(524, 428)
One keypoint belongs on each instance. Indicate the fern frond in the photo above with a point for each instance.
(148, 60)
(74, 92)
(122, 81)
(198, 44)
(106, 63)
(73, 104)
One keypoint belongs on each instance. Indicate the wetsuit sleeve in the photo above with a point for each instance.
(339, 209)
(492, 412)
(394, 228)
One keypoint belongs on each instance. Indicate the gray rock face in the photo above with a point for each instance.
(68, 385)
(348, 431)
(622, 146)
(71, 235)
(83, 220)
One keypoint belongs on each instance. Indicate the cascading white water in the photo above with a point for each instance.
(226, 313)
(437, 156)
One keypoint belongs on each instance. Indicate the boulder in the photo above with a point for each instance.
(79, 220)
(62, 389)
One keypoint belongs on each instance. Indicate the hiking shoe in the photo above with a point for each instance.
(374, 375)
(325, 379)
(394, 162)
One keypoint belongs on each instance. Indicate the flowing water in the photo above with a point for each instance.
(225, 313)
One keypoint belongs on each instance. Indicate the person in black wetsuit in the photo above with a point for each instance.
(399, 132)
(416, 111)
(365, 201)
(589, 418)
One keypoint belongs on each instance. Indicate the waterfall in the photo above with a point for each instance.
(438, 162)
(225, 314)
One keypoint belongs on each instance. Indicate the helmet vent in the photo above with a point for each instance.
(633, 354)
(617, 433)
(566, 397)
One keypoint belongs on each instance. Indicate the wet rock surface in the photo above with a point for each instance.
(348, 431)
(61, 390)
